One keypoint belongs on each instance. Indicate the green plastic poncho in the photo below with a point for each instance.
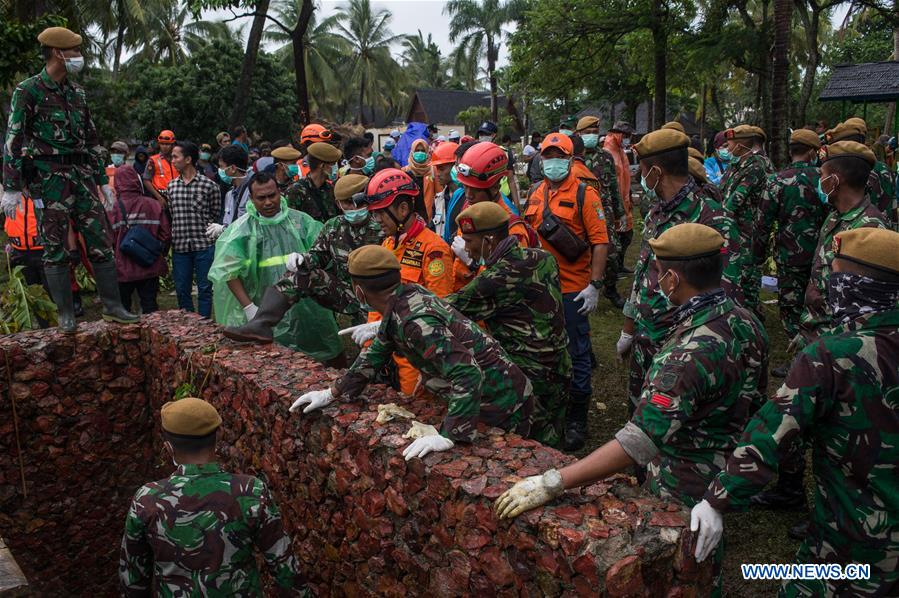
(255, 249)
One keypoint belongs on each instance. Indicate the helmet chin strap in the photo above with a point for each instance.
(400, 225)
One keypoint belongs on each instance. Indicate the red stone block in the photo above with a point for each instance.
(667, 519)
(624, 578)
(496, 567)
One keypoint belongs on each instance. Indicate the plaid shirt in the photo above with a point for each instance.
(193, 206)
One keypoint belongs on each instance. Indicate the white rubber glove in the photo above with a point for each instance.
(10, 203)
(529, 493)
(427, 444)
(250, 311)
(317, 399)
(459, 250)
(109, 194)
(294, 261)
(590, 297)
(624, 344)
(214, 230)
(710, 525)
(362, 333)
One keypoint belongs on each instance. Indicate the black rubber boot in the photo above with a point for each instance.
(576, 432)
(108, 289)
(780, 372)
(60, 286)
(76, 301)
(787, 495)
(260, 329)
(800, 530)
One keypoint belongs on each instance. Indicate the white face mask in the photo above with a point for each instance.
(74, 65)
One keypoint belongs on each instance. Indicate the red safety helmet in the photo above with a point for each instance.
(166, 137)
(444, 153)
(314, 133)
(386, 186)
(482, 165)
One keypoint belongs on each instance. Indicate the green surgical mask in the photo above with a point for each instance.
(224, 176)
(556, 169)
(355, 216)
(591, 140)
(567, 132)
(420, 157)
(293, 169)
(204, 155)
(117, 159)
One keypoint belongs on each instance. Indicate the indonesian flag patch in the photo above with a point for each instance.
(661, 400)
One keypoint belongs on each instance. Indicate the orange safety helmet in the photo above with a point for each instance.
(166, 137)
(483, 165)
(444, 153)
(559, 140)
(386, 186)
(314, 133)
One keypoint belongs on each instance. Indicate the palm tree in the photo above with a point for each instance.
(169, 37)
(423, 63)
(479, 26)
(369, 37)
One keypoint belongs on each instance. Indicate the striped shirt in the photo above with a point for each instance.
(193, 206)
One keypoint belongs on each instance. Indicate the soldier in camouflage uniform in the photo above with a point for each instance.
(314, 193)
(705, 382)
(677, 199)
(459, 363)
(839, 396)
(52, 152)
(742, 188)
(518, 297)
(195, 532)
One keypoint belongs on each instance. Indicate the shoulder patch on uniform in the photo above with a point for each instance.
(436, 267)
(669, 376)
(661, 400)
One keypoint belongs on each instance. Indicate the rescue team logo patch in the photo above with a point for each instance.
(436, 268)
(661, 400)
(412, 257)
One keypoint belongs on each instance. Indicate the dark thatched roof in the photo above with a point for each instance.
(866, 82)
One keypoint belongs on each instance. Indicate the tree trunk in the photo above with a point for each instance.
(120, 39)
(889, 125)
(702, 111)
(491, 72)
(242, 93)
(783, 13)
(299, 61)
(361, 99)
(660, 55)
(811, 24)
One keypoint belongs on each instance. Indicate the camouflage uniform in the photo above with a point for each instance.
(602, 165)
(323, 276)
(318, 202)
(815, 315)
(519, 298)
(648, 308)
(791, 201)
(194, 533)
(840, 396)
(458, 363)
(742, 188)
(881, 190)
(51, 123)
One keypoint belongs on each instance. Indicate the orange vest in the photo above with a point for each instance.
(23, 232)
(163, 172)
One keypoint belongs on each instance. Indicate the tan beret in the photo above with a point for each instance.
(695, 153)
(348, 185)
(876, 248)
(745, 132)
(674, 125)
(189, 417)
(286, 153)
(859, 122)
(686, 242)
(324, 152)
(845, 130)
(806, 137)
(59, 37)
(482, 217)
(586, 122)
(849, 149)
(661, 141)
(697, 169)
(371, 261)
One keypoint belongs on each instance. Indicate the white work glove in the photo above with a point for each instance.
(250, 311)
(529, 493)
(214, 231)
(362, 333)
(710, 524)
(624, 344)
(109, 194)
(590, 297)
(317, 399)
(294, 261)
(459, 250)
(427, 444)
(10, 203)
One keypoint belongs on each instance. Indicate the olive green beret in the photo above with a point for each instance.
(286, 153)
(845, 130)
(59, 37)
(324, 152)
(849, 149)
(877, 248)
(586, 122)
(661, 141)
(190, 417)
(349, 185)
(482, 217)
(371, 261)
(745, 132)
(674, 125)
(686, 242)
(697, 169)
(806, 137)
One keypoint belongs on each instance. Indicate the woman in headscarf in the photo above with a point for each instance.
(419, 168)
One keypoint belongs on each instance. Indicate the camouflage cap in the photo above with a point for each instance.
(876, 248)
(805, 137)
(287, 153)
(697, 170)
(845, 130)
(586, 122)
(695, 153)
(674, 125)
(349, 185)
(849, 149)
(745, 132)
(59, 37)
(687, 241)
(661, 141)
(371, 261)
(324, 152)
(189, 417)
(482, 217)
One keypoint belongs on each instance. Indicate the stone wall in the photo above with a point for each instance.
(363, 520)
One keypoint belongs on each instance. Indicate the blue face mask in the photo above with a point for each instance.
(224, 177)
(293, 169)
(117, 159)
(420, 157)
(591, 140)
(567, 132)
(725, 156)
(650, 192)
(662, 291)
(369, 165)
(204, 155)
(356, 216)
(556, 169)
(388, 146)
(362, 303)
(824, 197)
(454, 175)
